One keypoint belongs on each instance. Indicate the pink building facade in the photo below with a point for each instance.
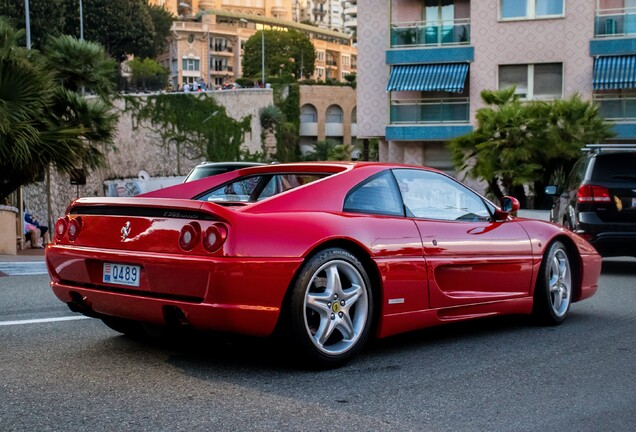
(422, 65)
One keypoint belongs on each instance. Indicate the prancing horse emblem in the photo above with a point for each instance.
(125, 230)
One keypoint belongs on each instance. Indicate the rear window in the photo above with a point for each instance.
(256, 188)
(615, 167)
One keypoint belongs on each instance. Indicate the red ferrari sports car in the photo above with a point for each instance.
(329, 254)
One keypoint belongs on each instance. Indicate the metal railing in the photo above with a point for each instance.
(430, 33)
(615, 22)
(450, 110)
(616, 108)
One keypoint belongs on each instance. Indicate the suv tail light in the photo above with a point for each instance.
(593, 194)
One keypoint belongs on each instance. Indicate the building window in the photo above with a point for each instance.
(534, 81)
(345, 61)
(219, 64)
(190, 64)
(320, 56)
(334, 114)
(308, 114)
(530, 9)
(220, 44)
(320, 72)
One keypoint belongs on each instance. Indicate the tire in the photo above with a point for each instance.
(567, 224)
(128, 327)
(330, 310)
(553, 293)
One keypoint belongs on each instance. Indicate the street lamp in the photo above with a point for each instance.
(243, 20)
(81, 21)
(28, 24)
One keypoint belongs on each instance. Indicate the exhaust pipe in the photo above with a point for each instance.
(79, 304)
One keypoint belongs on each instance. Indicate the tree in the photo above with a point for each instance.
(162, 21)
(286, 53)
(123, 27)
(329, 149)
(517, 143)
(148, 74)
(47, 17)
(44, 120)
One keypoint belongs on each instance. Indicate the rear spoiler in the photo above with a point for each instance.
(150, 207)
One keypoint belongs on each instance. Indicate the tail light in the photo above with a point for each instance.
(60, 228)
(593, 194)
(189, 236)
(214, 237)
(74, 227)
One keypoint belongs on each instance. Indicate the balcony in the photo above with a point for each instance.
(430, 33)
(309, 129)
(351, 23)
(618, 22)
(222, 49)
(351, 10)
(429, 111)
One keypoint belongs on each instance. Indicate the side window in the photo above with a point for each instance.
(576, 175)
(430, 195)
(377, 195)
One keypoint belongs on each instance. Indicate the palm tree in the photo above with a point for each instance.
(43, 119)
(520, 143)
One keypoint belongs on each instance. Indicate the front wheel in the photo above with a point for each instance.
(553, 292)
(330, 308)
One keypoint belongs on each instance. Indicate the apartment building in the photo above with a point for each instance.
(424, 63)
(208, 37)
(350, 14)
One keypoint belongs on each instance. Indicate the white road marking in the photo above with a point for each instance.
(23, 268)
(43, 320)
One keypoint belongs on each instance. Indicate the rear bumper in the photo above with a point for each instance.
(609, 239)
(216, 294)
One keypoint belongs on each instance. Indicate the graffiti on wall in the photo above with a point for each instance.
(136, 186)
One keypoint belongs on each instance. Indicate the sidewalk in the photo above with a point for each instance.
(26, 255)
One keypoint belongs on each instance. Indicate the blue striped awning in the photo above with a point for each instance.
(448, 77)
(614, 72)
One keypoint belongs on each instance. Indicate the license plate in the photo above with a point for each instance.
(121, 274)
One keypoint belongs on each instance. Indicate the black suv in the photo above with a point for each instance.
(598, 199)
(207, 169)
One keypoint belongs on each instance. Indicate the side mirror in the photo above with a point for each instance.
(508, 205)
(551, 190)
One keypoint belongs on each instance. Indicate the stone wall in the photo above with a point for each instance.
(139, 148)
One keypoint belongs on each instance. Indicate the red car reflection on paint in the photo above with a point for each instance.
(329, 253)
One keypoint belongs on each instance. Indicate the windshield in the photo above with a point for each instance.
(615, 167)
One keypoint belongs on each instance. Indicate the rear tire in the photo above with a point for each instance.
(330, 310)
(553, 293)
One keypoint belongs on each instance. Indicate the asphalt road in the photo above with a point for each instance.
(499, 374)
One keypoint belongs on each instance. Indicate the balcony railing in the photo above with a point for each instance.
(615, 22)
(451, 110)
(455, 32)
(616, 108)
